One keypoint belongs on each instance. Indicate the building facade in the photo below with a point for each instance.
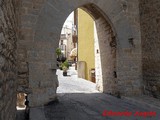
(86, 42)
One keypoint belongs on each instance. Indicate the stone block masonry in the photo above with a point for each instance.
(150, 29)
(30, 32)
(8, 64)
(36, 55)
(41, 23)
(107, 44)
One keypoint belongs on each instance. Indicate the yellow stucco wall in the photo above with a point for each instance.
(86, 41)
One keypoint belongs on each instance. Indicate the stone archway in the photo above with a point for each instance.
(45, 23)
(107, 82)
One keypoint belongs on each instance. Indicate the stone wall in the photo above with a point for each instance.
(23, 70)
(120, 53)
(40, 26)
(36, 54)
(107, 45)
(129, 65)
(29, 11)
(41, 23)
(150, 29)
(8, 69)
(98, 67)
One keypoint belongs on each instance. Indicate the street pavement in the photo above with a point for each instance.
(79, 100)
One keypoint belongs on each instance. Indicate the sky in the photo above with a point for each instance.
(69, 21)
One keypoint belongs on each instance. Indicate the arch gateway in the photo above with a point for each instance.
(113, 27)
(30, 31)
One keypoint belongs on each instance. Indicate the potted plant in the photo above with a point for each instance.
(63, 59)
(59, 53)
(65, 70)
(64, 66)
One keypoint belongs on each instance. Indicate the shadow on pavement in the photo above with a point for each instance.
(91, 106)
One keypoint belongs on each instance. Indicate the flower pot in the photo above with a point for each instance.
(64, 73)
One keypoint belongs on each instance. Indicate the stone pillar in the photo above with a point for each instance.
(42, 75)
